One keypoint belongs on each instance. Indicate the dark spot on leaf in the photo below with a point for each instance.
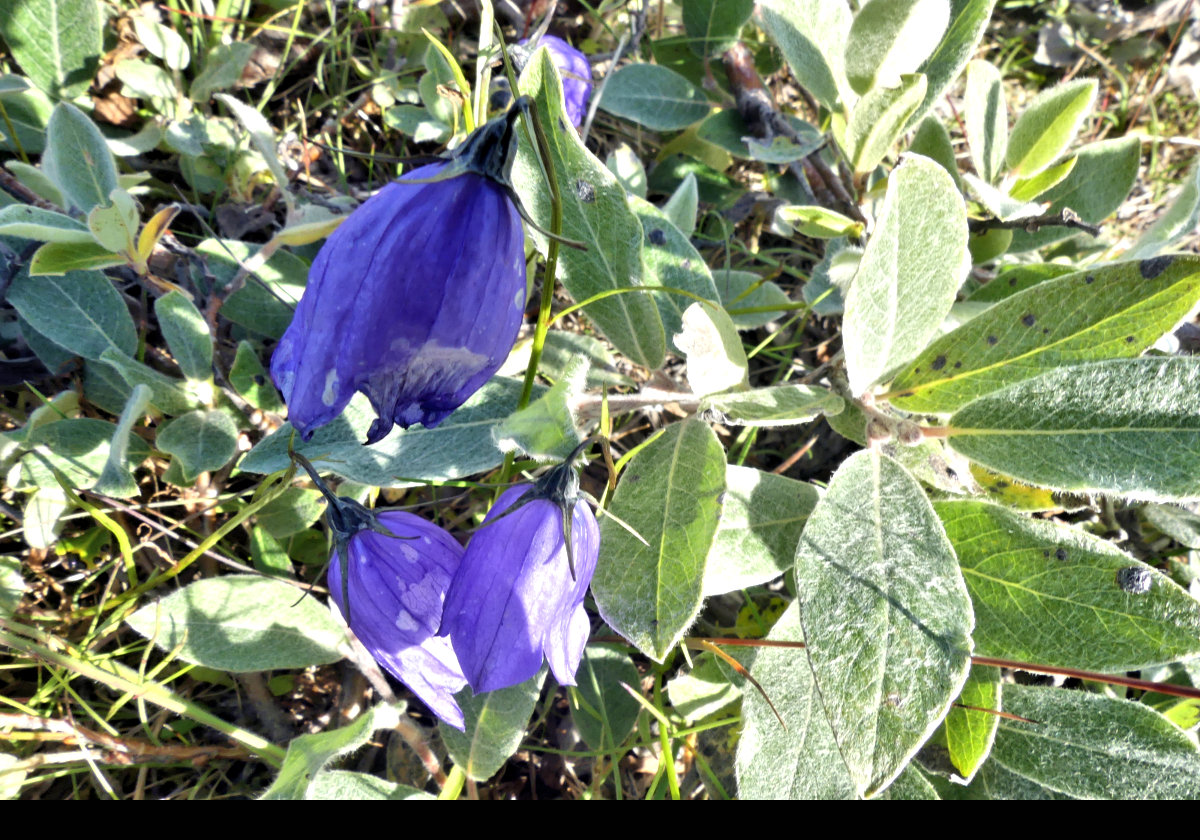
(1045, 330)
(1135, 579)
(916, 370)
(957, 365)
(1060, 553)
(1028, 319)
(1001, 485)
(1046, 552)
(585, 191)
(259, 379)
(905, 394)
(939, 363)
(657, 237)
(991, 339)
(1012, 281)
(950, 473)
(1091, 278)
(562, 126)
(1129, 339)
(1154, 266)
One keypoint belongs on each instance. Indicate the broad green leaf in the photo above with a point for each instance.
(890, 39)
(33, 177)
(968, 20)
(115, 224)
(495, 726)
(909, 272)
(79, 449)
(1027, 189)
(350, 786)
(1101, 313)
(307, 755)
(761, 520)
(143, 80)
(162, 42)
(716, 359)
(545, 429)
(292, 511)
(169, 395)
(59, 258)
(57, 43)
(42, 517)
(654, 96)
(200, 441)
(223, 66)
(627, 166)
(263, 138)
(268, 555)
(683, 204)
(1049, 593)
(1095, 747)
(12, 586)
(28, 114)
(1017, 279)
(251, 380)
(812, 34)
(1179, 524)
(104, 387)
(777, 405)
(886, 616)
(713, 25)
(77, 158)
(1177, 221)
(744, 290)
(606, 714)
(970, 732)
(707, 687)
(461, 445)
(41, 225)
(1124, 426)
(986, 119)
(933, 141)
(265, 304)
(116, 479)
(242, 623)
(670, 260)
(80, 312)
(805, 760)
(670, 495)
(1048, 125)
(999, 203)
(818, 222)
(594, 212)
(186, 332)
(877, 121)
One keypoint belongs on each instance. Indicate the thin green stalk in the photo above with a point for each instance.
(122, 678)
(455, 780)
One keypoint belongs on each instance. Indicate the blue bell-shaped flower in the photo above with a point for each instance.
(576, 73)
(416, 299)
(518, 593)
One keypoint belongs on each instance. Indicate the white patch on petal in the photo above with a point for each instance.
(329, 395)
(405, 622)
(409, 553)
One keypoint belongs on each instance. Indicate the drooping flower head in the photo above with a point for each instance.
(576, 73)
(416, 299)
(518, 594)
(388, 576)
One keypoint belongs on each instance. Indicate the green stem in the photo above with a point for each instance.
(126, 680)
(455, 780)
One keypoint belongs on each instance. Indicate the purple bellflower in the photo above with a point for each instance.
(518, 594)
(576, 74)
(388, 576)
(416, 299)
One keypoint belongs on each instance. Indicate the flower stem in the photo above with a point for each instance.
(454, 783)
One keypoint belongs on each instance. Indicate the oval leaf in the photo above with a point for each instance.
(654, 96)
(890, 38)
(79, 311)
(77, 158)
(1104, 312)
(886, 616)
(201, 441)
(495, 724)
(1050, 594)
(1126, 426)
(670, 495)
(242, 623)
(1048, 125)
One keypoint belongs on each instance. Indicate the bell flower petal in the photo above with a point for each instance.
(513, 600)
(415, 300)
(576, 73)
(396, 586)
